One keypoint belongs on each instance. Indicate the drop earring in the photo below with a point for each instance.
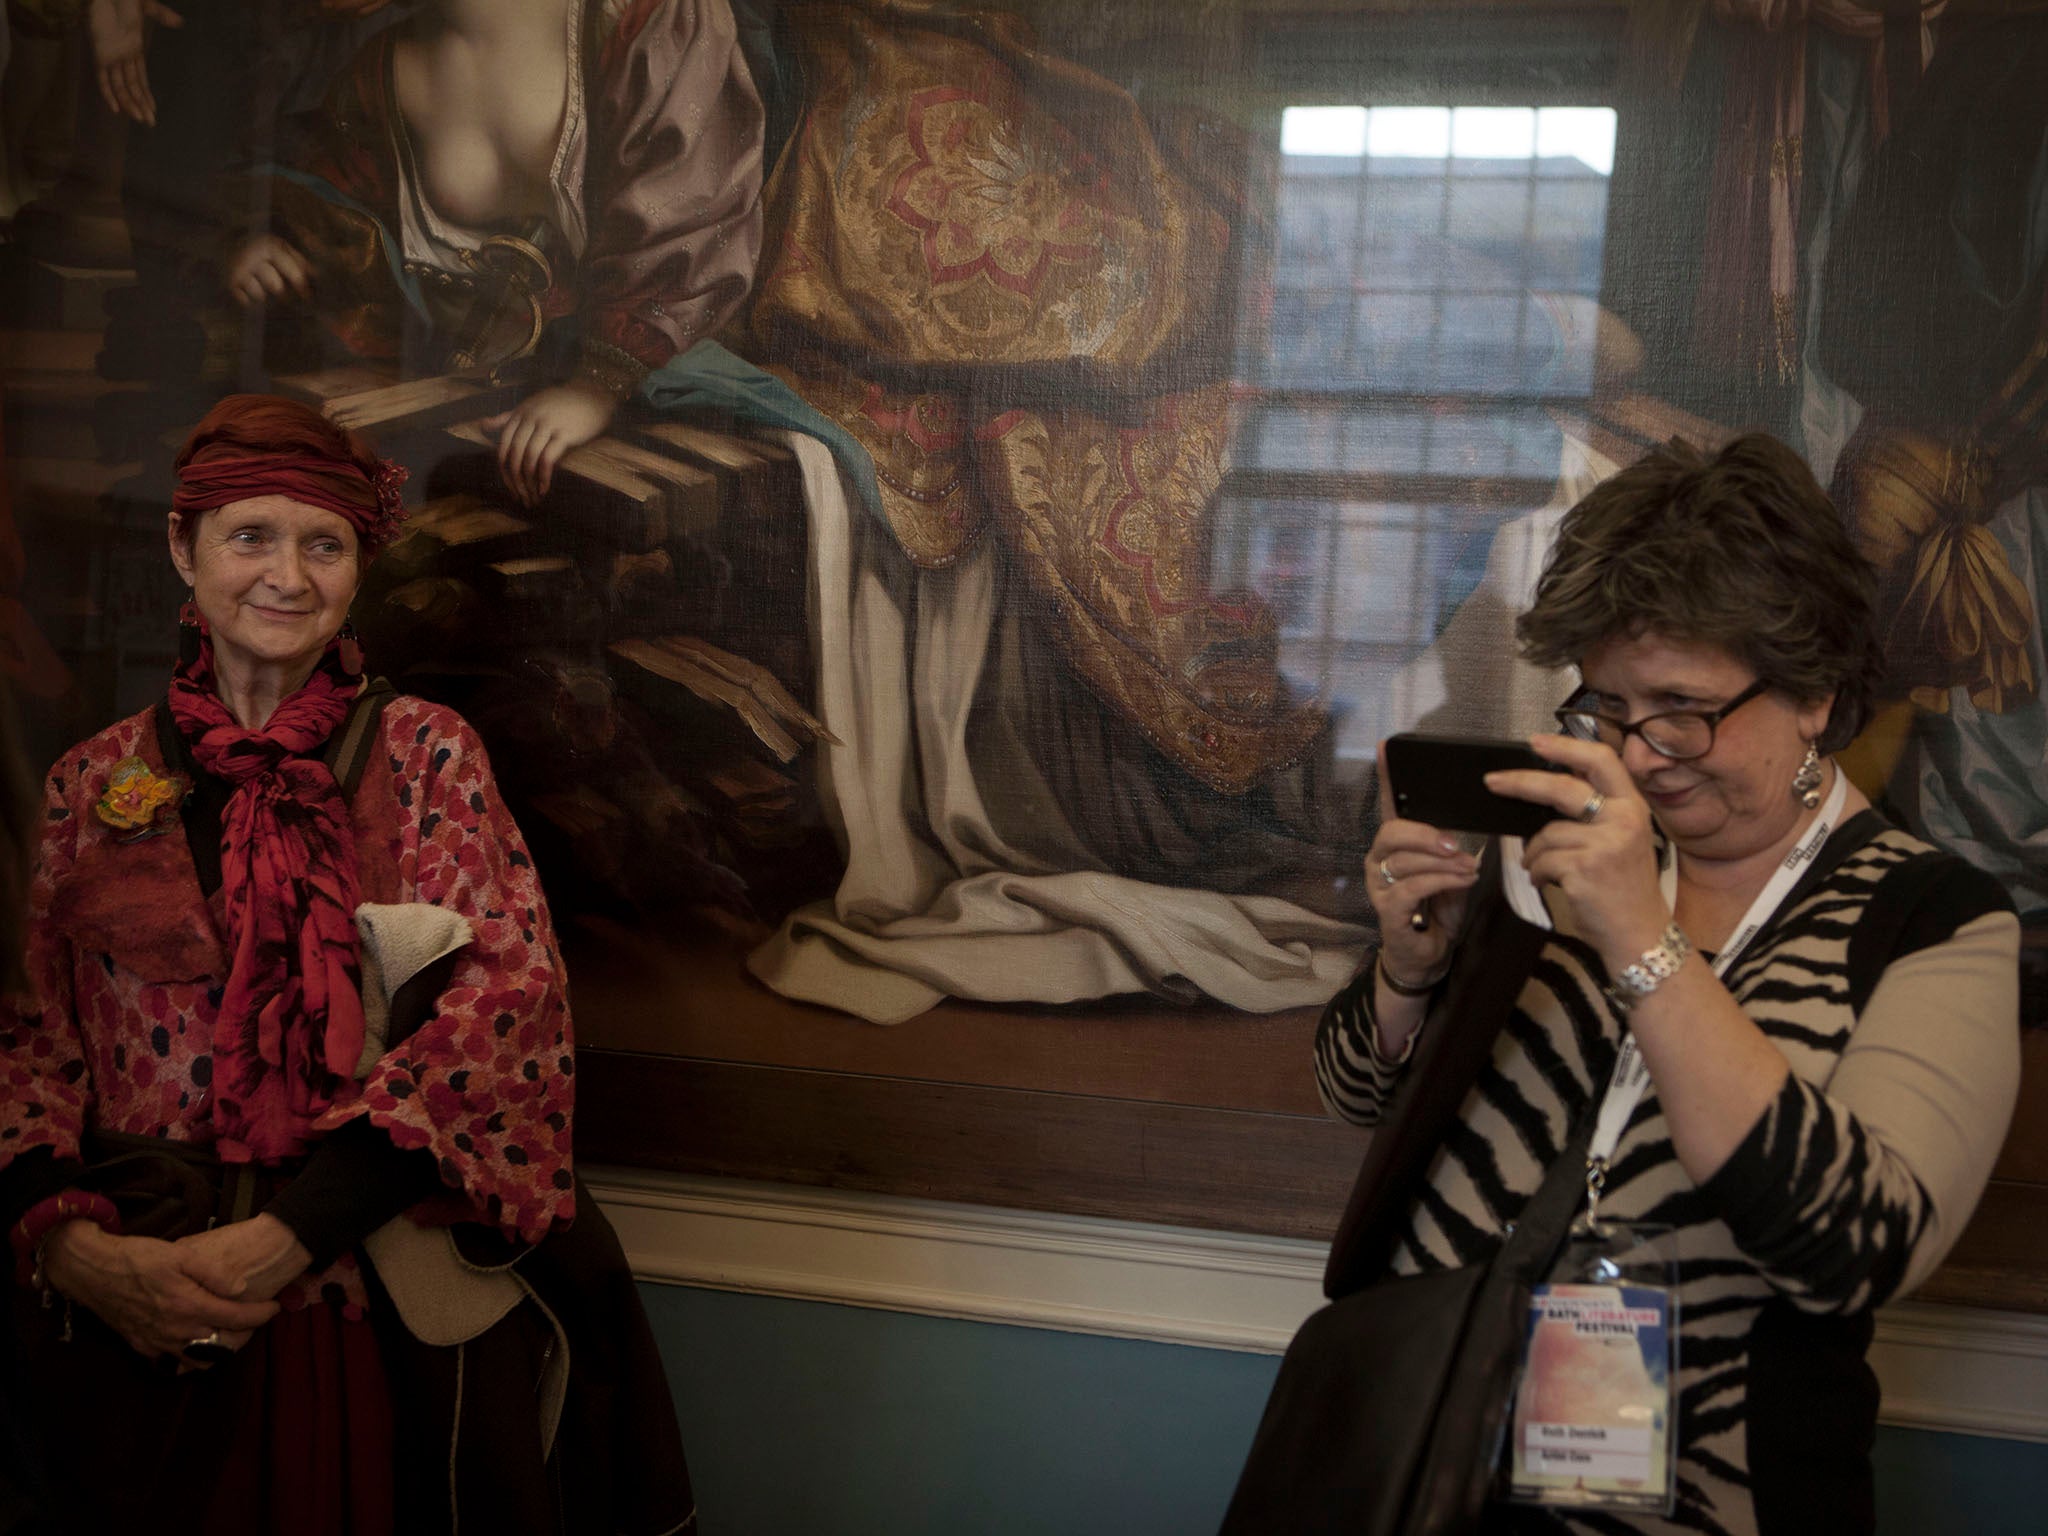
(1806, 782)
(351, 649)
(191, 634)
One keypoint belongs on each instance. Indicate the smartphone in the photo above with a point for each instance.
(1440, 781)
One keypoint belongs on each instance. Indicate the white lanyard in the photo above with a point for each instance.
(1631, 1076)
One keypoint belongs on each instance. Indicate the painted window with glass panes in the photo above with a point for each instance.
(1424, 309)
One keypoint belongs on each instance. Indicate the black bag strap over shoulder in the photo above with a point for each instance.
(1492, 960)
(348, 752)
(1451, 1482)
(1391, 1401)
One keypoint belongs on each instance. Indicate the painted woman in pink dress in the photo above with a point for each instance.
(620, 141)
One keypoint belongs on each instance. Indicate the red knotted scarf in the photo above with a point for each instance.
(290, 1028)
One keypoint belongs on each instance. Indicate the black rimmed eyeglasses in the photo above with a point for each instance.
(1679, 734)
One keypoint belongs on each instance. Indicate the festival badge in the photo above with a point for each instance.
(1594, 1413)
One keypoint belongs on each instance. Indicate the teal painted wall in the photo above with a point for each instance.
(806, 1419)
(1931, 1484)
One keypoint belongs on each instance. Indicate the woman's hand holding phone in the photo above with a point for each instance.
(1605, 863)
(1410, 870)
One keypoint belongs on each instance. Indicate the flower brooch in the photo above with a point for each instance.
(140, 802)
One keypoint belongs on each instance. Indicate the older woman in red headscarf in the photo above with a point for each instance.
(213, 1100)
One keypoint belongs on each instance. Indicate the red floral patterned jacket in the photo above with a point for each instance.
(125, 966)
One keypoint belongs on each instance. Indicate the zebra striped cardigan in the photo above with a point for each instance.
(1890, 982)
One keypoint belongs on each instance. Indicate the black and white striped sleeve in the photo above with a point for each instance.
(1847, 1195)
(1352, 1076)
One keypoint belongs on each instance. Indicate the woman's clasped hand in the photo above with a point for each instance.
(161, 1296)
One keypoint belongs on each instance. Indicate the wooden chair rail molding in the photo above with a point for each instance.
(1134, 1109)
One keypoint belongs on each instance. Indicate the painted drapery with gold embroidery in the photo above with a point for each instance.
(1932, 327)
(983, 263)
(1746, 311)
(1954, 381)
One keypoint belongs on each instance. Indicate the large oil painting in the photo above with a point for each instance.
(940, 501)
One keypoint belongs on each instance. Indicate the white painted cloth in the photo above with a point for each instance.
(934, 902)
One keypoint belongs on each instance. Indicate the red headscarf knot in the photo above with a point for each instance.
(263, 445)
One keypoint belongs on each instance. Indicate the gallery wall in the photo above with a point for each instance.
(809, 1419)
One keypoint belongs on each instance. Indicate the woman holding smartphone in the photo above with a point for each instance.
(1800, 1020)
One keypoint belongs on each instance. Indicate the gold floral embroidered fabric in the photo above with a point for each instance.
(955, 198)
(984, 265)
(919, 443)
(1109, 525)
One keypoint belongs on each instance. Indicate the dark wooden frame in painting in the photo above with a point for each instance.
(1136, 1110)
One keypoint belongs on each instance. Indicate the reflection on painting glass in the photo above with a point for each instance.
(1427, 302)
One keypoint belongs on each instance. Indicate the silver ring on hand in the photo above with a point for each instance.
(1387, 876)
(207, 1350)
(1592, 806)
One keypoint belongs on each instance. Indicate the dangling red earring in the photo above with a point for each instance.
(191, 634)
(351, 649)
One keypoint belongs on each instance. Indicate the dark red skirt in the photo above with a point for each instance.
(291, 1435)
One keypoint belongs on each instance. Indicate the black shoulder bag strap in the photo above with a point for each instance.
(1451, 1482)
(1492, 961)
(348, 751)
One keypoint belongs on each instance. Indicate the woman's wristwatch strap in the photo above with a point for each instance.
(1408, 988)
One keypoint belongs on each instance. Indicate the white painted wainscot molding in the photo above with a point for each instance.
(1960, 1369)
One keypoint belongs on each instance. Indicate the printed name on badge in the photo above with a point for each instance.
(1594, 1409)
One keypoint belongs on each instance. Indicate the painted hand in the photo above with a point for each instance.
(267, 268)
(535, 434)
(116, 29)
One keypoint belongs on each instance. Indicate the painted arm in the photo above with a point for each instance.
(673, 196)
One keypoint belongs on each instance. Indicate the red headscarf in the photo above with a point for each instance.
(290, 1027)
(262, 445)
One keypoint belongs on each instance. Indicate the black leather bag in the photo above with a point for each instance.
(1387, 1414)
(1390, 1405)
(166, 1189)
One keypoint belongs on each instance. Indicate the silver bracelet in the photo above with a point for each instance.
(1658, 965)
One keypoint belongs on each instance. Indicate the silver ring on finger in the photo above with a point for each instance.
(207, 1349)
(1387, 876)
(1592, 806)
